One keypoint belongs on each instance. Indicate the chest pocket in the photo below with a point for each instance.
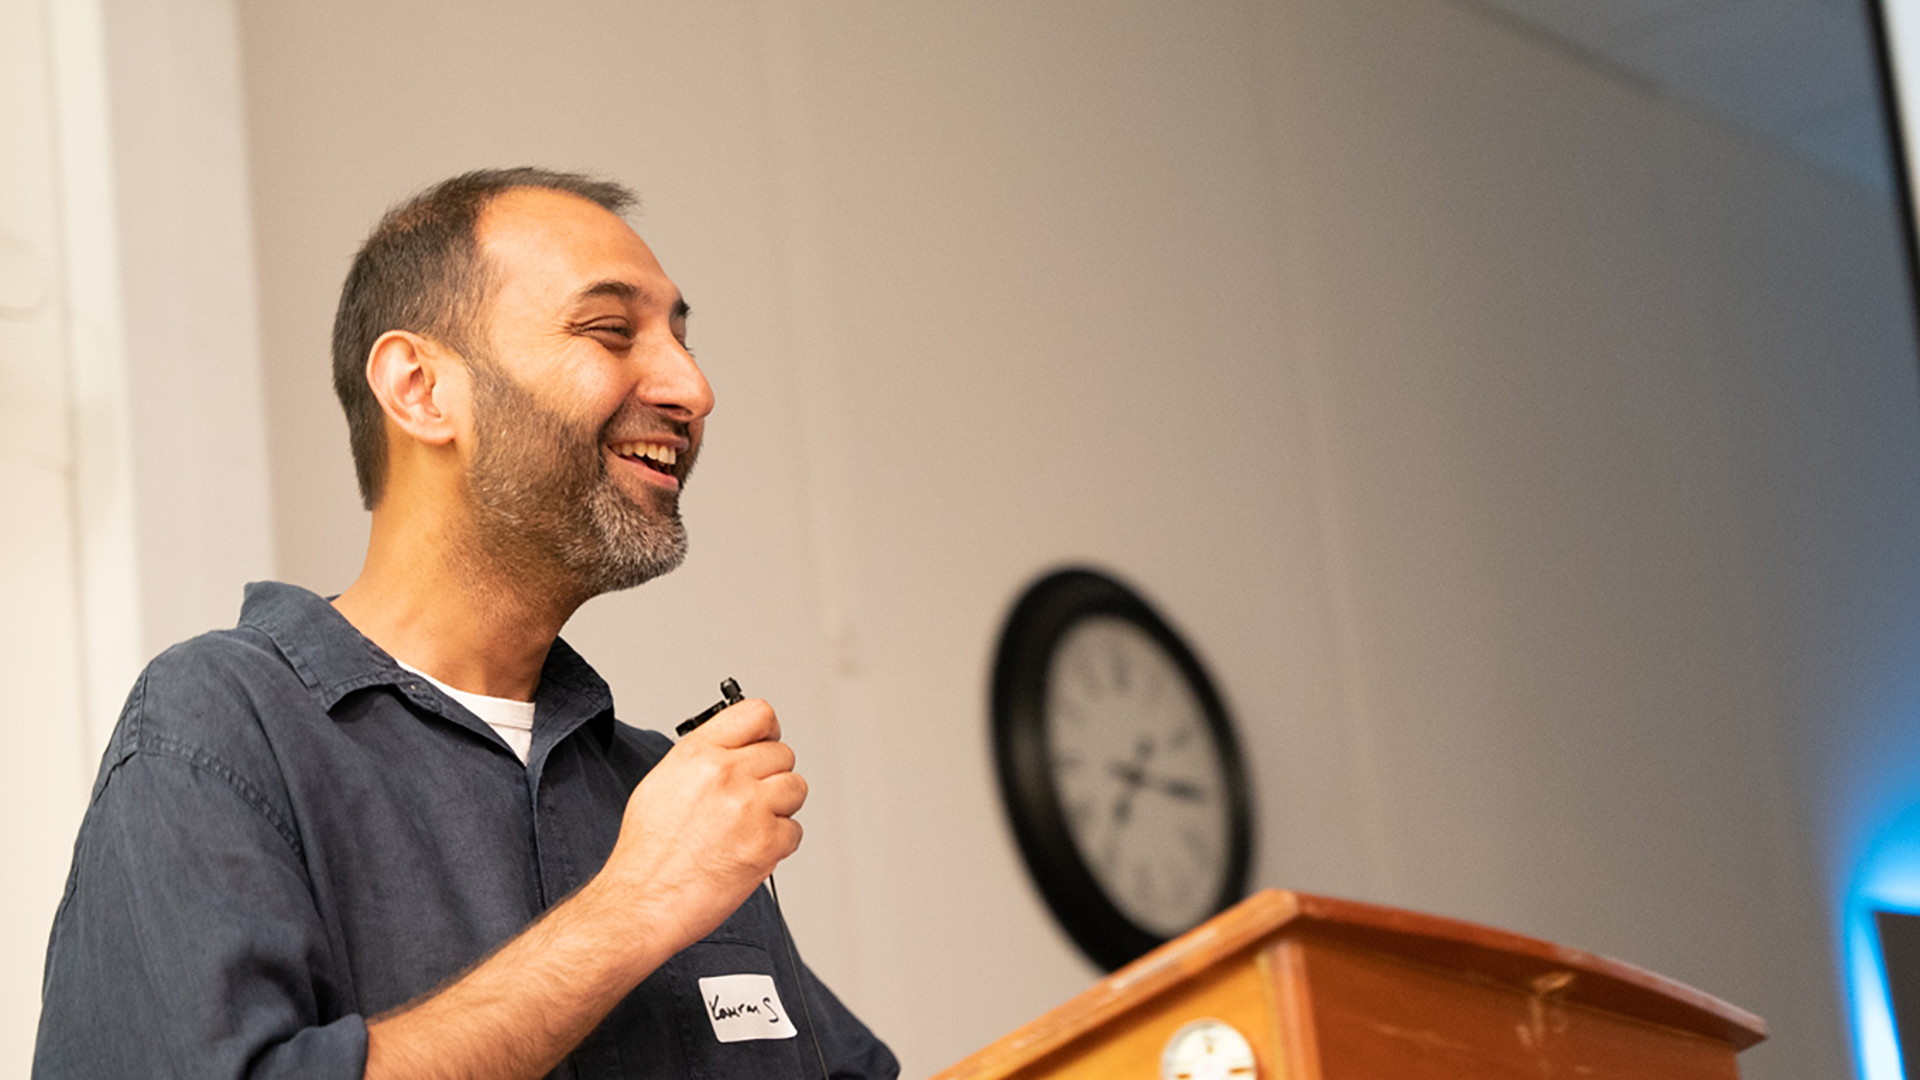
(737, 1008)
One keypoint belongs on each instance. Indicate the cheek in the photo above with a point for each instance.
(587, 404)
(580, 410)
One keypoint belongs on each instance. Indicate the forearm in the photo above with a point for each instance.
(523, 1009)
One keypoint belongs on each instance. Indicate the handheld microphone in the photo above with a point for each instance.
(730, 695)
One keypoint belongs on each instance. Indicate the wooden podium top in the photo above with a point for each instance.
(1469, 951)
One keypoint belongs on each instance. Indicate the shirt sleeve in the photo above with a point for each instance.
(188, 944)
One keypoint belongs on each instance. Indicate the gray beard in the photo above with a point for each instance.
(544, 509)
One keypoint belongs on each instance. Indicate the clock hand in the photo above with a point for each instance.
(1179, 789)
(1136, 777)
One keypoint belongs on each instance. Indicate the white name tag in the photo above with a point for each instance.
(743, 1007)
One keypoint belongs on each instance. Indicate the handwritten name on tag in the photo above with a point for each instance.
(743, 1007)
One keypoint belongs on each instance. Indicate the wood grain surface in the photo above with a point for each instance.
(1328, 988)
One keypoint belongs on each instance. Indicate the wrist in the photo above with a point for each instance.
(630, 923)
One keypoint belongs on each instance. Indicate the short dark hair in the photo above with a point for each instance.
(420, 270)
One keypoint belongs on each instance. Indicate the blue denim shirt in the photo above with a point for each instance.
(291, 833)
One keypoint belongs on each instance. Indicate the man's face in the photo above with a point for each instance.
(587, 409)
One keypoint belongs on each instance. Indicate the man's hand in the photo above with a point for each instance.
(702, 830)
(707, 825)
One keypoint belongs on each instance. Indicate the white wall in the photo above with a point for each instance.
(132, 465)
(1561, 335)
(196, 415)
(1518, 447)
(42, 659)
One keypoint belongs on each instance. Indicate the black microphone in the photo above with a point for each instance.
(729, 695)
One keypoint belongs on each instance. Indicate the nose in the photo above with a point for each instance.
(673, 382)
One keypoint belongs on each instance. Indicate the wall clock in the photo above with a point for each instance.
(1118, 767)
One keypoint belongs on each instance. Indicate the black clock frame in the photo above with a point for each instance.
(1023, 760)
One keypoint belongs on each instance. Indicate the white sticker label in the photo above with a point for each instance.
(744, 1007)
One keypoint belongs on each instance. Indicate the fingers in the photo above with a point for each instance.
(785, 794)
(750, 721)
(763, 759)
(710, 821)
(794, 833)
(774, 786)
(747, 738)
(774, 833)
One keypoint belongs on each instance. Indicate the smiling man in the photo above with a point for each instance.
(400, 833)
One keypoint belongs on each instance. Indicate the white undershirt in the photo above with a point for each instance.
(512, 719)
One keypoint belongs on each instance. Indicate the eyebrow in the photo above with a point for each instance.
(628, 292)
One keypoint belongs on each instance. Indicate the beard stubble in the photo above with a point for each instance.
(545, 510)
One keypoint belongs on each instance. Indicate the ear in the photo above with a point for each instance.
(412, 377)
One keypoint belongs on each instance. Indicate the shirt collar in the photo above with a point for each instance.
(333, 659)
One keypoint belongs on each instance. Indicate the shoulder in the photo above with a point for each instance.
(649, 746)
(192, 730)
(205, 701)
(237, 657)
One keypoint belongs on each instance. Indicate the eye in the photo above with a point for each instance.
(613, 334)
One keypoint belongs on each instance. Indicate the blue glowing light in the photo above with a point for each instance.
(1888, 879)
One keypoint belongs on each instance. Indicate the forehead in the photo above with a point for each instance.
(546, 247)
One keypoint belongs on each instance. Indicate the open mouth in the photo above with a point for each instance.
(659, 457)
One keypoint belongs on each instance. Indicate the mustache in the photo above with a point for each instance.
(635, 422)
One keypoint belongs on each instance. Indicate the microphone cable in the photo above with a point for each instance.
(799, 980)
(730, 695)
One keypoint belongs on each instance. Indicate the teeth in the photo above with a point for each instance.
(665, 455)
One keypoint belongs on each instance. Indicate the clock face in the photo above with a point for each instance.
(1141, 779)
(1120, 771)
(1208, 1050)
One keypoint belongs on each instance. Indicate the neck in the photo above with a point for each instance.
(433, 598)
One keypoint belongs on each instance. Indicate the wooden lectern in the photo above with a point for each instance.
(1327, 989)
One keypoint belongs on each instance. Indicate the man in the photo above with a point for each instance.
(400, 834)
